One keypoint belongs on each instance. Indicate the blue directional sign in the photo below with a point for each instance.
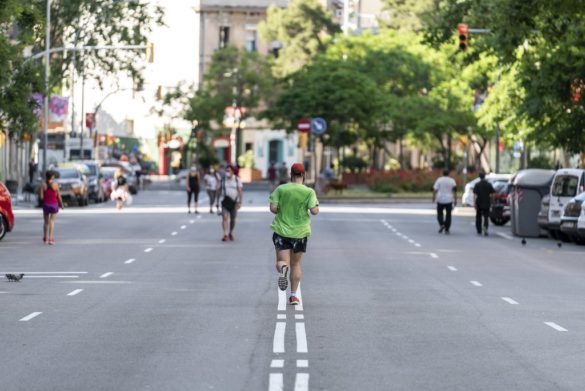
(318, 126)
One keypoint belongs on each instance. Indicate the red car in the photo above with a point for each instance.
(6, 216)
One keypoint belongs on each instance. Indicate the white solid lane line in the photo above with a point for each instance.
(476, 283)
(174, 233)
(452, 268)
(130, 261)
(44, 273)
(555, 326)
(277, 364)
(278, 342)
(75, 292)
(301, 338)
(148, 250)
(281, 300)
(302, 363)
(25, 276)
(30, 316)
(510, 300)
(302, 382)
(106, 275)
(433, 255)
(162, 241)
(275, 382)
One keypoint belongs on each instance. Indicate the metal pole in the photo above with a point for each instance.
(498, 148)
(47, 70)
(82, 127)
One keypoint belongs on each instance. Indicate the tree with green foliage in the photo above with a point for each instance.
(407, 15)
(303, 29)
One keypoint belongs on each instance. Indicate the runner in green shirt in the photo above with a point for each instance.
(291, 204)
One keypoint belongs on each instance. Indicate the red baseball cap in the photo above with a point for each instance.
(297, 169)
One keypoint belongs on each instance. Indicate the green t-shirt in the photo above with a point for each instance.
(294, 201)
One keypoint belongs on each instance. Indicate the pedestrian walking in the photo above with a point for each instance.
(291, 203)
(193, 188)
(32, 169)
(51, 200)
(211, 183)
(231, 191)
(120, 193)
(445, 195)
(483, 192)
(272, 176)
(283, 174)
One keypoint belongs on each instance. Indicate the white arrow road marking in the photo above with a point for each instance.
(510, 300)
(555, 326)
(75, 292)
(30, 316)
(278, 342)
(301, 338)
(275, 382)
(302, 382)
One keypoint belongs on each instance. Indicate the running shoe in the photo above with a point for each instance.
(225, 238)
(231, 236)
(45, 240)
(283, 278)
(51, 242)
(293, 300)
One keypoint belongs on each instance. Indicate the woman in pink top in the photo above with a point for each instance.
(51, 198)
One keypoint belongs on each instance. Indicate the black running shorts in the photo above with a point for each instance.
(282, 243)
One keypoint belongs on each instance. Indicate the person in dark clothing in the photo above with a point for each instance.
(32, 169)
(483, 192)
(193, 189)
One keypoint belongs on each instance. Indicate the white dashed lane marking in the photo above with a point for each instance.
(302, 382)
(106, 275)
(452, 268)
(433, 255)
(505, 236)
(555, 326)
(148, 250)
(75, 292)
(301, 338)
(278, 342)
(476, 283)
(183, 226)
(277, 364)
(174, 233)
(275, 382)
(30, 316)
(130, 261)
(510, 300)
(162, 241)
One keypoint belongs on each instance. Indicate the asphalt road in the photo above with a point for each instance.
(149, 298)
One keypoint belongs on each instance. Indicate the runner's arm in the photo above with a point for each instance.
(274, 208)
(314, 210)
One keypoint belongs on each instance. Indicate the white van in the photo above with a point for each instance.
(567, 183)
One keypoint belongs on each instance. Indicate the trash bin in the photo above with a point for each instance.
(526, 192)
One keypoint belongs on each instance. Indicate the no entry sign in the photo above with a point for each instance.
(304, 125)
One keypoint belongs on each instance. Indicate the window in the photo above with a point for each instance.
(251, 37)
(249, 147)
(565, 186)
(224, 36)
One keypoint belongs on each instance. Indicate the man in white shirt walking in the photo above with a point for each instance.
(445, 195)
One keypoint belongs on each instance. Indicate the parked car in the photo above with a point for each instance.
(571, 216)
(581, 223)
(6, 215)
(467, 199)
(128, 172)
(567, 183)
(95, 181)
(73, 185)
(500, 210)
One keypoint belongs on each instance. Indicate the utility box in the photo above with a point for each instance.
(527, 187)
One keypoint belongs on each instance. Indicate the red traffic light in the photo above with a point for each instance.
(463, 36)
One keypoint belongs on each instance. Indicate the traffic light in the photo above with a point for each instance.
(463, 36)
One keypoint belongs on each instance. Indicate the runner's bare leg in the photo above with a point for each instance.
(282, 259)
(295, 270)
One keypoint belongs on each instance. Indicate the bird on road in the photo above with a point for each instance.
(14, 277)
(523, 242)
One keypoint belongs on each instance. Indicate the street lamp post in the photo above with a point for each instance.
(46, 100)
